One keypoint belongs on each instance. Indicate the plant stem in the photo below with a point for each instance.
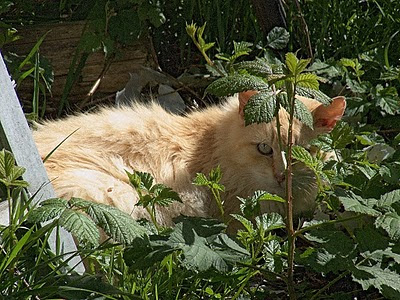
(291, 89)
(301, 231)
(153, 217)
(217, 198)
(326, 287)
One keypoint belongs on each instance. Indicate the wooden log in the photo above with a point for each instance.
(59, 47)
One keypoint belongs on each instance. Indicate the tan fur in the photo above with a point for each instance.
(90, 164)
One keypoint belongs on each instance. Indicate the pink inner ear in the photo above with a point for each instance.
(243, 99)
(325, 117)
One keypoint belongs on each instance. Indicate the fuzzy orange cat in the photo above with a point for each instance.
(91, 163)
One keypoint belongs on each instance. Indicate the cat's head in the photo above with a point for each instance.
(255, 151)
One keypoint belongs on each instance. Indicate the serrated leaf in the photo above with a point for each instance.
(390, 222)
(208, 46)
(342, 135)
(278, 38)
(352, 202)
(387, 99)
(258, 67)
(301, 154)
(334, 254)
(301, 66)
(164, 195)
(236, 83)
(307, 80)
(9, 172)
(201, 180)
(379, 152)
(48, 210)
(388, 199)
(245, 222)
(79, 203)
(265, 196)
(375, 276)
(81, 226)
(370, 239)
(117, 224)
(240, 49)
(348, 62)
(302, 113)
(202, 255)
(142, 254)
(270, 221)
(291, 62)
(216, 174)
(260, 108)
(203, 244)
(313, 94)
(141, 180)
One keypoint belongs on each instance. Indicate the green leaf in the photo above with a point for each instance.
(302, 113)
(342, 135)
(140, 180)
(212, 182)
(33, 51)
(245, 222)
(236, 83)
(379, 152)
(9, 172)
(49, 209)
(81, 226)
(216, 174)
(17, 248)
(291, 62)
(381, 279)
(273, 256)
(308, 80)
(220, 253)
(240, 49)
(278, 38)
(164, 195)
(354, 203)
(388, 199)
(334, 253)
(201, 180)
(301, 154)
(370, 239)
(87, 287)
(265, 196)
(200, 256)
(390, 222)
(313, 94)
(260, 108)
(301, 66)
(258, 67)
(270, 221)
(387, 99)
(346, 62)
(117, 224)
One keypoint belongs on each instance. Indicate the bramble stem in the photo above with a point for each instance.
(291, 90)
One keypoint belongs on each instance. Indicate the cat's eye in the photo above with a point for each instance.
(264, 149)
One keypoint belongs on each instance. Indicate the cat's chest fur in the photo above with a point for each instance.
(91, 163)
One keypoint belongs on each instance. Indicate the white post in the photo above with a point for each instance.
(15, 135)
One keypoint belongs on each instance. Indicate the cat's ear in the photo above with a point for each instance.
(325, 117)
(243, 99)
